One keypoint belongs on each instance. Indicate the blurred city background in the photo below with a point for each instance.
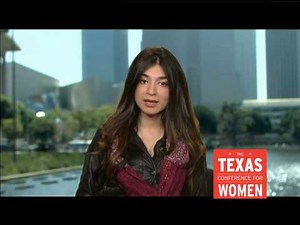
(58, 86)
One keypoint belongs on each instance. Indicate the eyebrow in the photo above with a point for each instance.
(160, 78)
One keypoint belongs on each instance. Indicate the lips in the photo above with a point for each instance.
(150, 101)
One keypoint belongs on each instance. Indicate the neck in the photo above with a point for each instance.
(149, 122)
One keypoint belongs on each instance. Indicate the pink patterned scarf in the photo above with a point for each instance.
(172, 175)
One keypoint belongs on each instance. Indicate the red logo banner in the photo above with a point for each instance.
(240, 173)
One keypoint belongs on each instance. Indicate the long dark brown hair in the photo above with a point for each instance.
(178, 118)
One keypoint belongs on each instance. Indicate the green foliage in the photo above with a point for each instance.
(86, 120)
(91, 119)
(38, 161)
(6, 109)
(291, 123)
(7, 127)
(231, 122)
(42, 128)
(234, 121)
(103, 113)
(207, 119)
(67, 127)
(258, 124)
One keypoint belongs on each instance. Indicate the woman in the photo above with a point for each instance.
(151, 145)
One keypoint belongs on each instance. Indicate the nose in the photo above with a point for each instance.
(151, 89)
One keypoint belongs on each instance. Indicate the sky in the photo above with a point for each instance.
(57, 53)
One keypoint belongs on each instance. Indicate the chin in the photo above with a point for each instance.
(151, 113)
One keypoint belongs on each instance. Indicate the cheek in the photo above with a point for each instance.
(139, 90)
(165, 96)
(138, 94)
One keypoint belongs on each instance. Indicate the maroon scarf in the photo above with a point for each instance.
(172, 175)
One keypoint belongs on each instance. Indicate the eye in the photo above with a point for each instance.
(163, 83)
(143, 81)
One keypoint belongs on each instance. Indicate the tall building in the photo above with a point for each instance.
(245, 62)
(283, 63)
(105, 54)
(219, 64)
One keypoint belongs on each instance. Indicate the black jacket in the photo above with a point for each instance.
(93, 177)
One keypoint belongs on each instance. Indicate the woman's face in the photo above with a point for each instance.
(152, 91)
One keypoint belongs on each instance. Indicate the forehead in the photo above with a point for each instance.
(155, 72)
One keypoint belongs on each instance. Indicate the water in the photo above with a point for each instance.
(56, 184)
(283, 179)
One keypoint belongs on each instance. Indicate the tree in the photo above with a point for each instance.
(6, 109)
(207, 119)
(67, 126)
(87, 120)
(231, 122)
(43, 128)
(256, 123)
(291, 123)
(90, 119)
(7, 128)
(103, 113)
